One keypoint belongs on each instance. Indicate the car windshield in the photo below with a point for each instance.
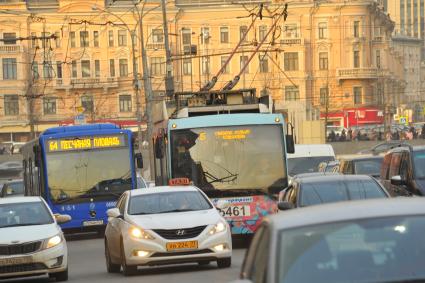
(313, 193)
(419, 161)
(371, 250)
(24, 214)
(13, 188)
(368, 167)
(230, 158)
(167, 202)
(301, 165)
(101, 173)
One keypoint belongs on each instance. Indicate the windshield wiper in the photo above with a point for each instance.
(141, 213)
(404, 281)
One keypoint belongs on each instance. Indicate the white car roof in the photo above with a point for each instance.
(312, 150)
(163, 189)
(19, 199)
(349, 210)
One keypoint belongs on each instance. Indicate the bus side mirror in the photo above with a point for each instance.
(159, 153)
(290, 145)
(139, 160)
(37, 155)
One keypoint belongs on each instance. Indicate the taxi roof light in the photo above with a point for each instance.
(179, 182)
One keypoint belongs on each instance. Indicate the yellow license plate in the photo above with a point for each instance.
(182, 245)
(15, 260)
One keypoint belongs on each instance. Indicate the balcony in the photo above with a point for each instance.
(357, 73)
(10, 49)
(292, 41)
(155, 46)
(84, 83)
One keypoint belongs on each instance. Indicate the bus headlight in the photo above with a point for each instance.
(219, 227)
(53, 241)
(140, 234)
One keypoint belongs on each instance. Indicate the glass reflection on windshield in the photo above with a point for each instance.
(419, 161)
(24, 214)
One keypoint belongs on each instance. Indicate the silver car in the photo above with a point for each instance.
(363, 241)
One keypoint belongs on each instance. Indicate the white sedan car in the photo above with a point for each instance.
(165, 225)
(31, 241)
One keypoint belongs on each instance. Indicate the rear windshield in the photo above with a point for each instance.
(301, 165)
(368, 167)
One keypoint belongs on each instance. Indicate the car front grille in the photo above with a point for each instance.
(17, 249)
(183, 233)
(205, 251)
(22, 268)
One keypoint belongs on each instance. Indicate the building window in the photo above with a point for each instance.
(112, 68)
(49, 105)
(11, 105)
(95, 38)
(35, 73)
(45, 41)
(243, 30)
(157, 35)
(224, 35)
(97, 68)
(292, 93)
(74, 68)
(122, 38)
(87, 104)
(72, 38)
(33, 39)
(123, 67)
(378, 59)
(186, 36)
(357, 95)
(356, 59)
(9, 38)
(59, 69)
(47, 70)
(262, 32)
(205, 35)
(125, 103)
(356, 29)
(111, 38)
(323, 60)
(223, 60)
(206, 65)
(84, 38)
(57, 39)
(85, 68)
(291, 61)
(9, 69)
(290, 31)
(187, 67)
(157, 66)
(264, 63)
(324, 92)
(242, 62)
(323, 30)
(133, 35)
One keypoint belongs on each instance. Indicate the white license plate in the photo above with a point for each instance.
(93, 222)
(235, 211)
(15, 260)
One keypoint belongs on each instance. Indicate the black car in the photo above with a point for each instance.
(361, 165)
(313, 190)
(403, 171)
(383, 147)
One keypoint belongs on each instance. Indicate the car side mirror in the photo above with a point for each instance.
(397, 181)
(290, 145)
(62, 218)
(139, 160)
(285, 205)
(114, 213)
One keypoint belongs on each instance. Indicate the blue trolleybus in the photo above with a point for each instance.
(81, 171)
(230, 145)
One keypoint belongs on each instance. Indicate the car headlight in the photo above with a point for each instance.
(140, 234)
(53, 241)
(219, 227)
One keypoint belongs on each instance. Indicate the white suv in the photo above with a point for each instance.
(31, 241)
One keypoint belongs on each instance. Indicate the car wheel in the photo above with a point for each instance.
(127, 270)
(110, 266)
(204, 262)
(60, 276)
(224, 262)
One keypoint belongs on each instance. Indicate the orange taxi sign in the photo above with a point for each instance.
(179, 182)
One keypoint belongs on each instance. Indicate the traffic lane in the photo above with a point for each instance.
(87, 264)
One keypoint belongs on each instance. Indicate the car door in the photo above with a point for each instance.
(114, 234)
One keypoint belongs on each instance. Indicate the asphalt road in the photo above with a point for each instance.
(87, 264)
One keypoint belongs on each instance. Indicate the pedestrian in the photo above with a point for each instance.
(379, 135)
(388, 136)
(12, 148)
(409, 135)
(343, 135)
(350, 134)
(414, 133)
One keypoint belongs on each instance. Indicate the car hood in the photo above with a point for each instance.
(15, 235)
(175, 220)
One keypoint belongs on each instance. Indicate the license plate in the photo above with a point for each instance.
(93, 222)
(235, 211)
(182, 245)
(15, 260)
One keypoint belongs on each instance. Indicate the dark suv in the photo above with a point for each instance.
(403, 171)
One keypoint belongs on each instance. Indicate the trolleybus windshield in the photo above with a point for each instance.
(249, 157)
(87, 167)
